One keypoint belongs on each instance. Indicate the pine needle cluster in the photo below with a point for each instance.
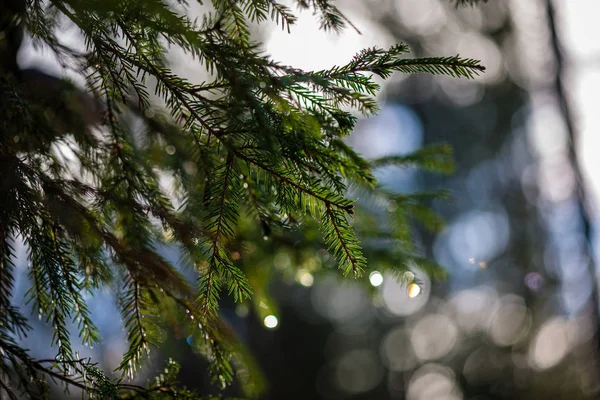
(256, 161)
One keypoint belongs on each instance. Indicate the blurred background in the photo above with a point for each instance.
(518, 316)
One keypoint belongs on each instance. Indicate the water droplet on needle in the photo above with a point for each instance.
(413, 290)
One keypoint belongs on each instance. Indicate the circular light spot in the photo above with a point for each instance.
(170, 149)
(338, 301)
(242, 310)
(282, 260)
(396, 351)
(551, 344)
(408, 277)
(190, 168)
(434, 336)
(471, 308)
(391, 206)
(305, 278)
(271, 321)
(534, 281)
(358, 371)
(481, 235)
(376, 278)
(433, 381)
(510, 321)
(396, 296)
(413, 290)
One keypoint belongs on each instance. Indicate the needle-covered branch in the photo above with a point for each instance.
(94, 181)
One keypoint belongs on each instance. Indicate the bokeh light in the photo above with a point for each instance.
(305, 278)
(271, 321)
(433, 336)
(358, 371)
(534, 281)
(471, 307)
(339, 301)
(551, 344)
(510, 321)
(376, 278)
(396, 297)
(433, 381)
(413, 290)
(396, 350)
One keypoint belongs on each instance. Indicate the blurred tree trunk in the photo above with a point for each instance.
(590, 370)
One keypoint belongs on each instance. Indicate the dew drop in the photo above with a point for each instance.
(413, 290)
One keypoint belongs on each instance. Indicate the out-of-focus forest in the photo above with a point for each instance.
(517, 317)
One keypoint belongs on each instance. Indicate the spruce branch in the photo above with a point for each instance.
(435, 158)
(223, 202)
(382, 63)
(133, 308)
(258, 125)
(319, 194)
(281, 12)
(340, 238)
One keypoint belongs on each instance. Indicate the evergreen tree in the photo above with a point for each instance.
(257, 160)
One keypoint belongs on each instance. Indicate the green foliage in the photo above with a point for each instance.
(257, 162)
(437, 158)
